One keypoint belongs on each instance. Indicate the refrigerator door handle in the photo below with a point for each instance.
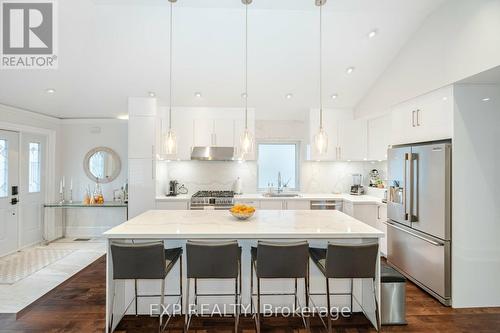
(405, 181)
(414, 187)
(414, 234)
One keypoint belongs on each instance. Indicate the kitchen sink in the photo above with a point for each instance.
(281, 195)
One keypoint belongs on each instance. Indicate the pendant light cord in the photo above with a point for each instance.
(246, 66)
(320, 67)
(170, 69)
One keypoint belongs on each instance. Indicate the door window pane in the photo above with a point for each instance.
(278, 157)
(34, 167)
(4, 172)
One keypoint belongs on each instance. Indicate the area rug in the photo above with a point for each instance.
(18, 266)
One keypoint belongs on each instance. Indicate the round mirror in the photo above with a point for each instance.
(102, 165)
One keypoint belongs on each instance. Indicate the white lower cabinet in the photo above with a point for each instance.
(253, 203)
(272, 204)
(372, 214)
(172, 205)
(298, 204)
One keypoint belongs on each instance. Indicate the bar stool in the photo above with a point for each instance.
(213, 260)
(274, 260)
(145, 261)
(347, 261)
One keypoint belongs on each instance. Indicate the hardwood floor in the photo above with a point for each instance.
(78, 305)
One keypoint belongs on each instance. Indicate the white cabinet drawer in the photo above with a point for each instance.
(172, 205)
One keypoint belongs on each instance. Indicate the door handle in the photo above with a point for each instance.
(418, 117)
(14, 201)
(413, 118)
(414, 234)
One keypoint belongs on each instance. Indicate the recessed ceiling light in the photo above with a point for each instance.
(486, 99)
(445, 99)
(197, 94)
(50, 91)
(373, 33)
(349, 70)
(289, 96)
(334, 96)
(151, 94)
(244, 95)
(123, 117)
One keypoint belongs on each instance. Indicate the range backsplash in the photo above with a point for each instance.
(315, 177)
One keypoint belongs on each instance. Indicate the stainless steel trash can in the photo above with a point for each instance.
(393, 297)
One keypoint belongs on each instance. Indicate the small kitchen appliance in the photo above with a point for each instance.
(174, 189)
(357, 188)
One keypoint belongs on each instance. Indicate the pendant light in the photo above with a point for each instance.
(170, 139)
(321, 138)
(247, 141)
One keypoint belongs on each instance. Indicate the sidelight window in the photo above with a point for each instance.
(34, 167)
(4, 171)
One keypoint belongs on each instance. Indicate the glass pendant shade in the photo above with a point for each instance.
(321, 142)
(170, 143)
(246, 143)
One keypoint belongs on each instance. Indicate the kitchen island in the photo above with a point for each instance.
(177, 226)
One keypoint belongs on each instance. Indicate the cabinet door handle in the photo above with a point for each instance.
(418, 117)
(378, 212)
(413, 118)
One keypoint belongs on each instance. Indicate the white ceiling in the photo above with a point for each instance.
(112, 49)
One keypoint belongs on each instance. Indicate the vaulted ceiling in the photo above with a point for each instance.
(112, 49)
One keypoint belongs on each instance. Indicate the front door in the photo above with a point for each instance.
(9, 191)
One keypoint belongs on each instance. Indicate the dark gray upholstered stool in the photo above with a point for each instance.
(278, 260)
(347, 261)
(213, 260)
(145, 261)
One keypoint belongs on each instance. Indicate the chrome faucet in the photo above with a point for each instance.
(280, 183)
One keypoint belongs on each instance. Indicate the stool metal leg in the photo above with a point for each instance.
(377, 310)
(187, 315)
(258, 304)
(295, 295)
(162, 301)
(135, 293)
(112, 308)
(328, 305)
(236, 317)
(352, 292)
(180, 282)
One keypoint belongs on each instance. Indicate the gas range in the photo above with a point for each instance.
(219, 200)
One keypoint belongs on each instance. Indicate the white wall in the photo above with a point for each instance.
(476, 203)
(458, 40)
(80, 136)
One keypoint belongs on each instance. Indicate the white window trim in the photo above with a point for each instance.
(297, 161)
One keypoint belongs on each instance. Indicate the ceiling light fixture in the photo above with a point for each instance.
(151, 94)
(334, 96)
(247, 141)
(50, 91)
(486, 99)
(197, 94)
(372, 33)
(321, 138)
(289, 96)
(244, 95)
(349, 70)
(170, 139)
(122, 117)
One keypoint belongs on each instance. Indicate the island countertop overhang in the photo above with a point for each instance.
(265, 224)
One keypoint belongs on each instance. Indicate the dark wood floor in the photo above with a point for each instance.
(79, 306)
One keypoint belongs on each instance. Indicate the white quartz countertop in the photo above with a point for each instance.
(357, 199)
(265, 224)
(367, 199)
(180, 197)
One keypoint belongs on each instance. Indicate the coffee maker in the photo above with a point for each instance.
(357, 188)
(173, 188)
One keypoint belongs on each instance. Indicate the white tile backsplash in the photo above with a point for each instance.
(316, 177)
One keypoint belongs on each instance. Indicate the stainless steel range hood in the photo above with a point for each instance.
(213, 154)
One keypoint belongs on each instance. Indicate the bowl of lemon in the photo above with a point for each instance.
(242, 212)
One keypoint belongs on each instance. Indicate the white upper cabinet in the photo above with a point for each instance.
(331, 119)
(224, 133)
(425, 118)
(352, 139)
(347, 137)
(142, 128)
(379, 137)
(203, 132)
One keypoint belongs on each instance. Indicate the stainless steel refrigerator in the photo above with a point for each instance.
(419, 215)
